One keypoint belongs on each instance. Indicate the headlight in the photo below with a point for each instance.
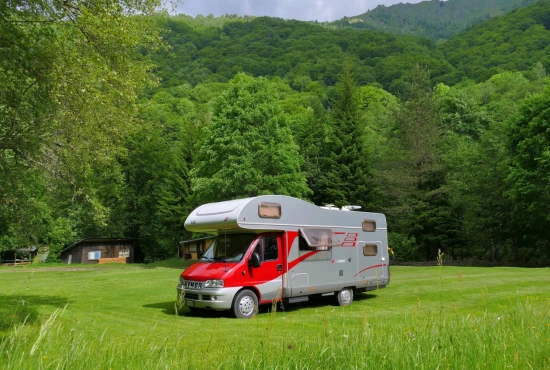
(182, 280)
(213, 284)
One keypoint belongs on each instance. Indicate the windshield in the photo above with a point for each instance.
(228, 248)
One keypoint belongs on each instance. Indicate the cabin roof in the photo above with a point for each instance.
(98, 240)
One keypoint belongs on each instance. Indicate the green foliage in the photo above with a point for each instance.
(291, 50)
(433, 19)
(345, 167)
(61, 233)
(90, 147)
(156, 172)
(411, 178)
(529, 172)
(403, 246)
(69, 76)
(477, 165)
(515, 41)
(248, 149)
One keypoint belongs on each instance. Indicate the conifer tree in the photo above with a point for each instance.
(345, 168)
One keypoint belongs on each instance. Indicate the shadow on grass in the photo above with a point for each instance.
(317, 302)
(170, 309)
(23, 309)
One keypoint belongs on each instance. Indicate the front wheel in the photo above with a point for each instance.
(344, 297)
(245, 304)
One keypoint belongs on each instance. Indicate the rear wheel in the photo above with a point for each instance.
(344, 297)
(245, 304)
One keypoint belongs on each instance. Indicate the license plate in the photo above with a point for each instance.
(192, 285)
(189, 303)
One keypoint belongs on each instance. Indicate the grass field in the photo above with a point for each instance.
(123, 316)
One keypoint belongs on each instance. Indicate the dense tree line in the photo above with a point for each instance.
(295, 51)
(91, 147)
(70, 73)
(435, 19)
(515, 41)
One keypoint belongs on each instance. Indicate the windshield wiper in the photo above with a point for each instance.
(207, 258)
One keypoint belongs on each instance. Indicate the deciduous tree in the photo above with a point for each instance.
(248, 148)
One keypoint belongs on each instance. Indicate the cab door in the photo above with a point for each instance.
(268, 278)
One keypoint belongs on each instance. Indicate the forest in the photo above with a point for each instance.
(117, 119)
(434, 19)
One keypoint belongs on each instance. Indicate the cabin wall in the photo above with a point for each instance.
(80, 253)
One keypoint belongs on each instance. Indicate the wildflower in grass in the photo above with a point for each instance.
(44, 357)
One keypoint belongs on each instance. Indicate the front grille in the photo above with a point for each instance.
(191, 296)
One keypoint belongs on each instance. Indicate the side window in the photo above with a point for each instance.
(321, 255)
(271, 248)
(370, 250)
(303, 245)
(369, 226)
(268, 248)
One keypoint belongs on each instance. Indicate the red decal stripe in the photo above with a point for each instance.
(370, 267)
(300, 259)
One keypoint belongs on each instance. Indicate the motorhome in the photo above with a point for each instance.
(278, 248)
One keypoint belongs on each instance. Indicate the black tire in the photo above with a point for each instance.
(245, 304)
(344, 297)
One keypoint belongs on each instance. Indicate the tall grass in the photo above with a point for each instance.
(517, 337)
(439, 331)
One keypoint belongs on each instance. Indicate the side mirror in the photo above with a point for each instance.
(255, 260)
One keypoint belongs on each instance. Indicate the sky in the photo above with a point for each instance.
(306, 10)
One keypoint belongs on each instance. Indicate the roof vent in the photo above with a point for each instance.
(350, 208)
(331, 207)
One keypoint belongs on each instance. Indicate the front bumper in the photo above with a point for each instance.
(217, 299)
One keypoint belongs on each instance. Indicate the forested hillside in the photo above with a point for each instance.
(434, 19)
(111, 133)
(292, 50)
(515, 41)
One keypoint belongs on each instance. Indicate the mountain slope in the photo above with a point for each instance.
(433, 19)
(293, 50)
(515, 41)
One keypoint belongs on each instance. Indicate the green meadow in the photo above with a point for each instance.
(124, 317)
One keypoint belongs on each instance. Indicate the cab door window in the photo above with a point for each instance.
(268, 248)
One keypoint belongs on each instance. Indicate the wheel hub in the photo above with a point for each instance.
(246, 305)
(346, 296)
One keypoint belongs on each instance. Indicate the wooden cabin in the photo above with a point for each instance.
(102, 250)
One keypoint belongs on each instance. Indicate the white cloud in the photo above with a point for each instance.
(308, 10)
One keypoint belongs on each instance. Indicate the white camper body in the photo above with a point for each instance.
(275, 247)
